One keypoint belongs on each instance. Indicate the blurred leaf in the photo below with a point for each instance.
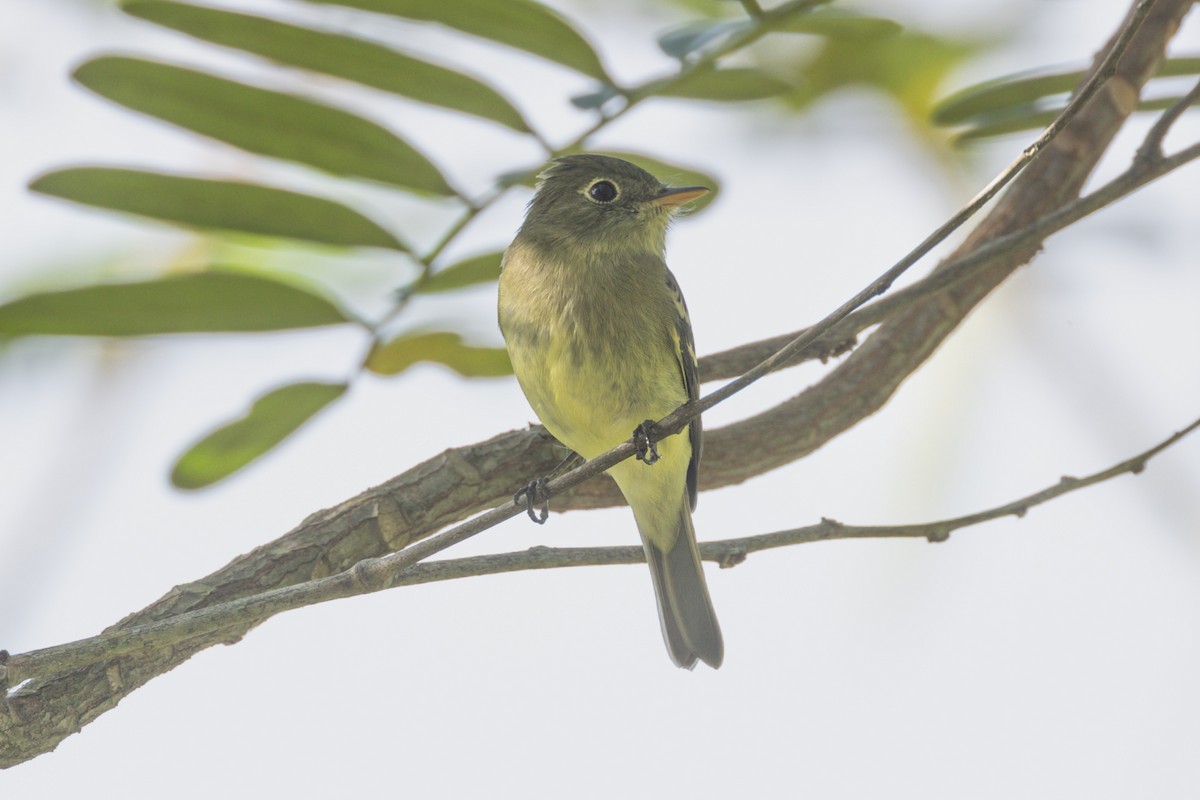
(201, 302)
(519, 177)
(1011, 91)
(995, 95)
(335, 54)
(1031, 119)
(1034, 117)
(479, 269)
(908, 67)
(595, 99)
(839, 24)
(687, 39)
(522, 24)
(440, 347)
(272, 418)
(732, 84)
(219, 205)
(261, 121)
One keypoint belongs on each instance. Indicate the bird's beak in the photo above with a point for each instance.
(673, 198)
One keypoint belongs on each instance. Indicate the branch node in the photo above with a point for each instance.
(732, 558)
(836, 349)
(112, 672)
(938, 534)
(359, 576)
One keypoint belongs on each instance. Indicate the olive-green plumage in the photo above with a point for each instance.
(600, 341)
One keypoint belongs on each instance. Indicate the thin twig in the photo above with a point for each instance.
(401, 570)
(1152, 146)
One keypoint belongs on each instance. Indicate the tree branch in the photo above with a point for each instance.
(404, 569)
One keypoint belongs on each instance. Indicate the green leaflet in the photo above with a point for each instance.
(273, 417)
(478, 269)
(732, 84)
(336, 54)
(439, 347)
(522, 24)
(217, 205)
(204, 302)
(262, 121)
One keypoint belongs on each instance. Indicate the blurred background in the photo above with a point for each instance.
(1050, 656)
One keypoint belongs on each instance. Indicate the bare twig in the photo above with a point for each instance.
(1152, 146)
(401, 569)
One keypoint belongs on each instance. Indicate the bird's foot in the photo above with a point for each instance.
(535, 499)
(644, 438)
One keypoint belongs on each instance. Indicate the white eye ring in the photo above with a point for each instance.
(602, 191)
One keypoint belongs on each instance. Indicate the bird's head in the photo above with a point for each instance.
(596, 201)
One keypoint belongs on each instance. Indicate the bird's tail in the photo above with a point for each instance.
(689, 623)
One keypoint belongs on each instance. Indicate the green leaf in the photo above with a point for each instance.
(272, 418)
(1035, 117)
(346, 57)
(595, 98)
(734, 83)
(687, 39)
(995, 96)
(217, 205)
(201, 302)
(835, 23)
(440, 347)
(522, 24)
(908, 68)
(479, 269)
(262, 121)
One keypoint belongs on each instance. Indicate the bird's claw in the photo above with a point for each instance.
(644, 437)
(535, 499)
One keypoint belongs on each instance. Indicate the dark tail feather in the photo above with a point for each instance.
(689, 623)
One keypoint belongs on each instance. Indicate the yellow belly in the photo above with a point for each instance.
(592, 377)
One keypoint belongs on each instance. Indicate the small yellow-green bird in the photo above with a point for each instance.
(600, 341)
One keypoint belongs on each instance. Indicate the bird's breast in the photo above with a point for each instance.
(590, 344)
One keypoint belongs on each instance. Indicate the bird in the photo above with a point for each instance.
(601, 344)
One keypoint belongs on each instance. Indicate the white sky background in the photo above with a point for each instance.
(1046, 657)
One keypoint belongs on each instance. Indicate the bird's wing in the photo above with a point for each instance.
(685, 351)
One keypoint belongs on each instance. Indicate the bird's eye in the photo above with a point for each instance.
(603, 191)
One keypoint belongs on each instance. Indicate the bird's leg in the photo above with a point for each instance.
(644, 438)
(535, 499)
(534, 495)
